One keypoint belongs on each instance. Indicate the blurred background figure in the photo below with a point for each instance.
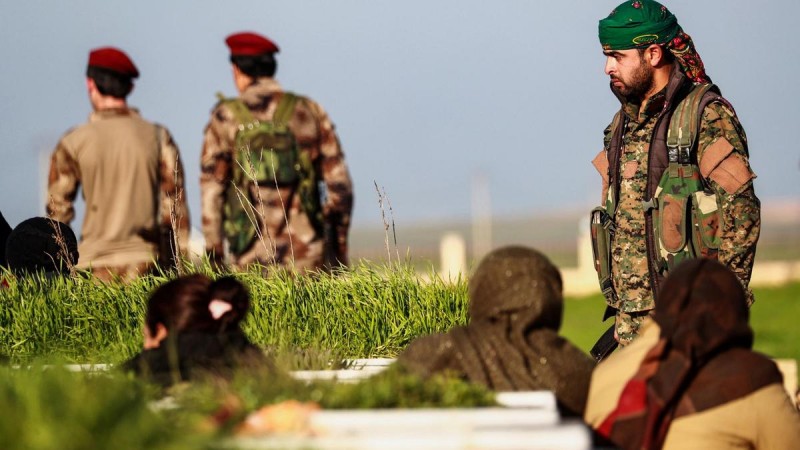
(511, 341)
(274, 183)
(700, 385)
(41, 245)
(192, 326)
(131, 174)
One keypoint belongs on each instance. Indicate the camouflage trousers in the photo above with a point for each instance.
(297, 256)
(628, 324)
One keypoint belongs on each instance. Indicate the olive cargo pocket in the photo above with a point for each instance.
(602, 228)
(706, 224)
(671, 222)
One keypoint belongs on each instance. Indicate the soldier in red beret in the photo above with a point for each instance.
(131, 174)
(275, 187)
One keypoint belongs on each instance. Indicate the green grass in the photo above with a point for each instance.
(305, 321)
(774, 319)
(369, 312)
(54, 409)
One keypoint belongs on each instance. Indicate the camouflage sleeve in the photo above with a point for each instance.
(62, 185)
(339, 203)
(173, 206)
(723, 161)
(600, 161)
(215, 176)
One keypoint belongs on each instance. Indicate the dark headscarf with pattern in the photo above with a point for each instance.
(511, 342)
(702, 360)
(640, 23)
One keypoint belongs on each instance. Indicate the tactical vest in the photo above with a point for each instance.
(266, 155)
(681, 212)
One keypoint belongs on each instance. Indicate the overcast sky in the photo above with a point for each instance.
(424, 94)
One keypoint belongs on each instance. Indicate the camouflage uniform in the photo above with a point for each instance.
(723, 161)
(132, 179)
(286, 234)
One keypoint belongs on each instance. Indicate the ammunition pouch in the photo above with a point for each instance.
(685, 217)
(602, 230)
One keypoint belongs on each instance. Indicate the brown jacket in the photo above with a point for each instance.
(132, 179)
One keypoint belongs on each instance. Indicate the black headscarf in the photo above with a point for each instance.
(41, 244)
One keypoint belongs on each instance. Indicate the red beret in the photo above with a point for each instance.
(250, 44)
(114, 60)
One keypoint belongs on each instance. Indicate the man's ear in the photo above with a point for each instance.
(90, 84)
(654, 55)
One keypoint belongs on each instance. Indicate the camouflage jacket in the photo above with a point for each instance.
(132, 181)
(722, 156)
(286, 235)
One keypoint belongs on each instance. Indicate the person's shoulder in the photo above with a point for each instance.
(427, 349)
(301, 97)
(719, 108)
(160, 127)
(222, 111)
(713, 103)
(304, 101)
(77, 130)
(74, 136)
(223, 101)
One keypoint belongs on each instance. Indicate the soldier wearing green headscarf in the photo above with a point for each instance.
(677, 183)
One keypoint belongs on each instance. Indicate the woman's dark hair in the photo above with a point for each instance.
(182, 305)
(109, 82)
(257, 66)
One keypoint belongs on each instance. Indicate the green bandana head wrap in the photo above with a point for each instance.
(637, 24)
(640, 23)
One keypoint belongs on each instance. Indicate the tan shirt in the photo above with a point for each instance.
(127, 167)
(763, 420)
(610, 376)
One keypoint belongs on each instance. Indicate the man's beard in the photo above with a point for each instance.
(639, 84)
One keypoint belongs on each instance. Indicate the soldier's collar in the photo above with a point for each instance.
(651, 107)
(112, 112)
(262, 87)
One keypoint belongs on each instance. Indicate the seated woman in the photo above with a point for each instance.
(192, 325)
(701, 385)
(511, 341)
